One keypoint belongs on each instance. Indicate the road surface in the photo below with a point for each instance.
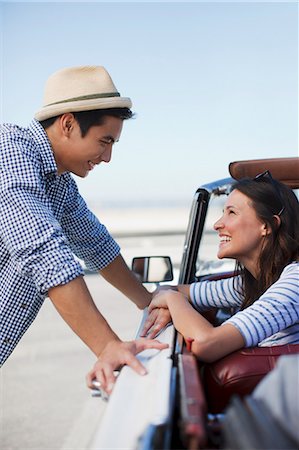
(44, 402)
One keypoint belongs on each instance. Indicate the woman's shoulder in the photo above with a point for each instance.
(292, 268)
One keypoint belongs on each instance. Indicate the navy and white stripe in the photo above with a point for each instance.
(273, 319)
(225, 293)
(44, 222)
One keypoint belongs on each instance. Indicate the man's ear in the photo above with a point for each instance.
(67, 123)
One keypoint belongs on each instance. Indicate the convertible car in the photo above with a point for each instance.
(183, 403)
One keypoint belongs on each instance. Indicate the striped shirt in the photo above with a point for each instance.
(44, 222)
(273, 319)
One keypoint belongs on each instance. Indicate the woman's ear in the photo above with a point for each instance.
(266, 230)
(277, 220)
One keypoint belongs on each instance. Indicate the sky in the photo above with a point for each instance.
(210, 82)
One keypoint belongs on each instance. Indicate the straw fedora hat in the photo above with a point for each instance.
(82, 88)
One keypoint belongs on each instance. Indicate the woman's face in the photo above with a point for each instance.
(240, 231)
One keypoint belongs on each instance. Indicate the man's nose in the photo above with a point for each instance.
(106, 156)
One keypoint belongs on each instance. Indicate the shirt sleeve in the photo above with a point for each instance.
(29, 230)
(224, 293)
(276, 310)
(88, 238)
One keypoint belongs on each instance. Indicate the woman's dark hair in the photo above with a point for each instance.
(87, 119)
(276, 205)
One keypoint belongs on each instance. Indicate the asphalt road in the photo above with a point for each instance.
(44, 402)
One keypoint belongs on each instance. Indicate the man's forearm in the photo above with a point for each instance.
(121, 277)
(76, 306)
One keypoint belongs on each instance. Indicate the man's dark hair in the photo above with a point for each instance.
(87, 119)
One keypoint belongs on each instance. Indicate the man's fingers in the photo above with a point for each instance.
(95, 375)
(136, 365)
(109, 380)
(153, 332)
(162, 318)
(140, 345)
(144, 344)
(117, 354)
(149, 323)
(104, 375)
(89, 379)
(146, 327)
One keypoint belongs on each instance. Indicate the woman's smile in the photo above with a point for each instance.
(240, 231)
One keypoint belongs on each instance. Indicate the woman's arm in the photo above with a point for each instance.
(210, 343)
(273, 319)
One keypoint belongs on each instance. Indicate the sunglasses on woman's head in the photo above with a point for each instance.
(267, 175)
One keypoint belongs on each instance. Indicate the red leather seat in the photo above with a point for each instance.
(239, 373)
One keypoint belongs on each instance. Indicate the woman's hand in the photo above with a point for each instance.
(162, 299)
(159, 314)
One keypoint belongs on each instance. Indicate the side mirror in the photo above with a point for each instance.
(153, 269)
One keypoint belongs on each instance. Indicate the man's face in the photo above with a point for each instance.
(80, 155)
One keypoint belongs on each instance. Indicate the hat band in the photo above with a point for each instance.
(86, 97)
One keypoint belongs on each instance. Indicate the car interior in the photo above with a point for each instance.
(209, 388)
(185, 403)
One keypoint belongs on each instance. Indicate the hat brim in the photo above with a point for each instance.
(83, 105)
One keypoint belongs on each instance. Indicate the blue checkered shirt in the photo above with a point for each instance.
(44, 222)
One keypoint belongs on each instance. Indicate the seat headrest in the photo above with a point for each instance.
(285, 170)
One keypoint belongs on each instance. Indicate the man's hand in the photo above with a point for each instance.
(157, 319)
(116, 354)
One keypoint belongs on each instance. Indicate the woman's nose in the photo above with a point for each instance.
(218, 224)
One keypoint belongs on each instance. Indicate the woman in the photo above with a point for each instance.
(259, 228)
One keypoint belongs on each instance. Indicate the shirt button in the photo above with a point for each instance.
(24, 305)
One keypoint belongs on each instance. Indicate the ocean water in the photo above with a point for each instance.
(125, 221)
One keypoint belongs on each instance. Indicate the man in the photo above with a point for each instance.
(44, 220)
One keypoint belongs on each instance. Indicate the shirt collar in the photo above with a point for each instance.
(44, 146)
